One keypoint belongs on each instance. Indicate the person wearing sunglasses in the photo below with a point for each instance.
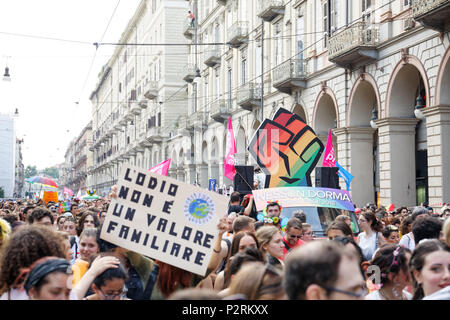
(293, 235)
(323, 270)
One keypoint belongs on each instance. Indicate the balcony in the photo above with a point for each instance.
(198, 119)
(354, 46)
(289, 75)
(220, 110)
(188, 30)
(212, 55)
(151, 90)
(433, 14)
(128, 115)
(143, 104)
(238, 34)
(155, 134)
(270, 9)
(249, 95)
(135, 108)
(189, 72)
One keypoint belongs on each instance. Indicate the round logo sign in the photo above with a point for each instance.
(199, 208)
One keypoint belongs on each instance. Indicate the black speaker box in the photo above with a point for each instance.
(326, 177)
(243, 179)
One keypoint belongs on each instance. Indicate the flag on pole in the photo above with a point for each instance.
(228, 165)
(344, 174)
(329, 159)
(78, 194)
(67, 191)
(161, 168)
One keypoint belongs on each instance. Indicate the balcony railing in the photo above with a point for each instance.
(155, 134)
(249, 95)
(433, 14)
(354, 44)
(151, 90)
(238, 34)
(198, 119)
(290, 74)
(220, 110)
(189, 72)
(188, 29)
(212, 55)
(270, 9)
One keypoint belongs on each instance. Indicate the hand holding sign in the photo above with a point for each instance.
(164, 219)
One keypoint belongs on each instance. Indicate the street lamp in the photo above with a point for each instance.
(418, 108)
(6, 76)
(374, 118)
(419, 104)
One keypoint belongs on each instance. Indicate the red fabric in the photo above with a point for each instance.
(286, 243)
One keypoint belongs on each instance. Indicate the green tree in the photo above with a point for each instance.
(30, 171)
(2, 192)
(51, 172)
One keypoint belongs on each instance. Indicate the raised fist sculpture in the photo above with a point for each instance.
(286, 149)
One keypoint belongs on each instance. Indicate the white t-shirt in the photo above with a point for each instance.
(407, 241)
(367, 244)
(375, 295)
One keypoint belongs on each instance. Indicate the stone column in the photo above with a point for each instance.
(190, 173)
(396, 138)
(180, 174)
(202, 169)
(172, 173)
(355, 147)
(438, 143)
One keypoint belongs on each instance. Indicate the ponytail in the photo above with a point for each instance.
(419, 294)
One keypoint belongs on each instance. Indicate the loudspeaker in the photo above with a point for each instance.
(327, 177)
(243, 179)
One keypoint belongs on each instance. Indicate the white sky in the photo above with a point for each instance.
(48, 76)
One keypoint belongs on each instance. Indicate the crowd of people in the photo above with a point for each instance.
(51, 253)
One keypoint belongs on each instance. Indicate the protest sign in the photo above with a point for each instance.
(304, 197)
(164, 219)
(286, 149)
(50, 196)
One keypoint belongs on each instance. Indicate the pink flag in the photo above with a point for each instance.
(161, 168)
(228, 165)
(67, 191)
(329, 160)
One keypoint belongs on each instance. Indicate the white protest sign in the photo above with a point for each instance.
(164, 219)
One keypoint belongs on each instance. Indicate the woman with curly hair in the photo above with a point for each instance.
(88, 220)
(24, 247)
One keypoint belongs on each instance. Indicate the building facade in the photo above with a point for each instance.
(78, 158)
(7, 154)
(375, 72)
(140, 93)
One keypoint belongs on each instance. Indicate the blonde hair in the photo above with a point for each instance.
(265, 234)
(5, 230)
(258, 282)
(446, 231)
